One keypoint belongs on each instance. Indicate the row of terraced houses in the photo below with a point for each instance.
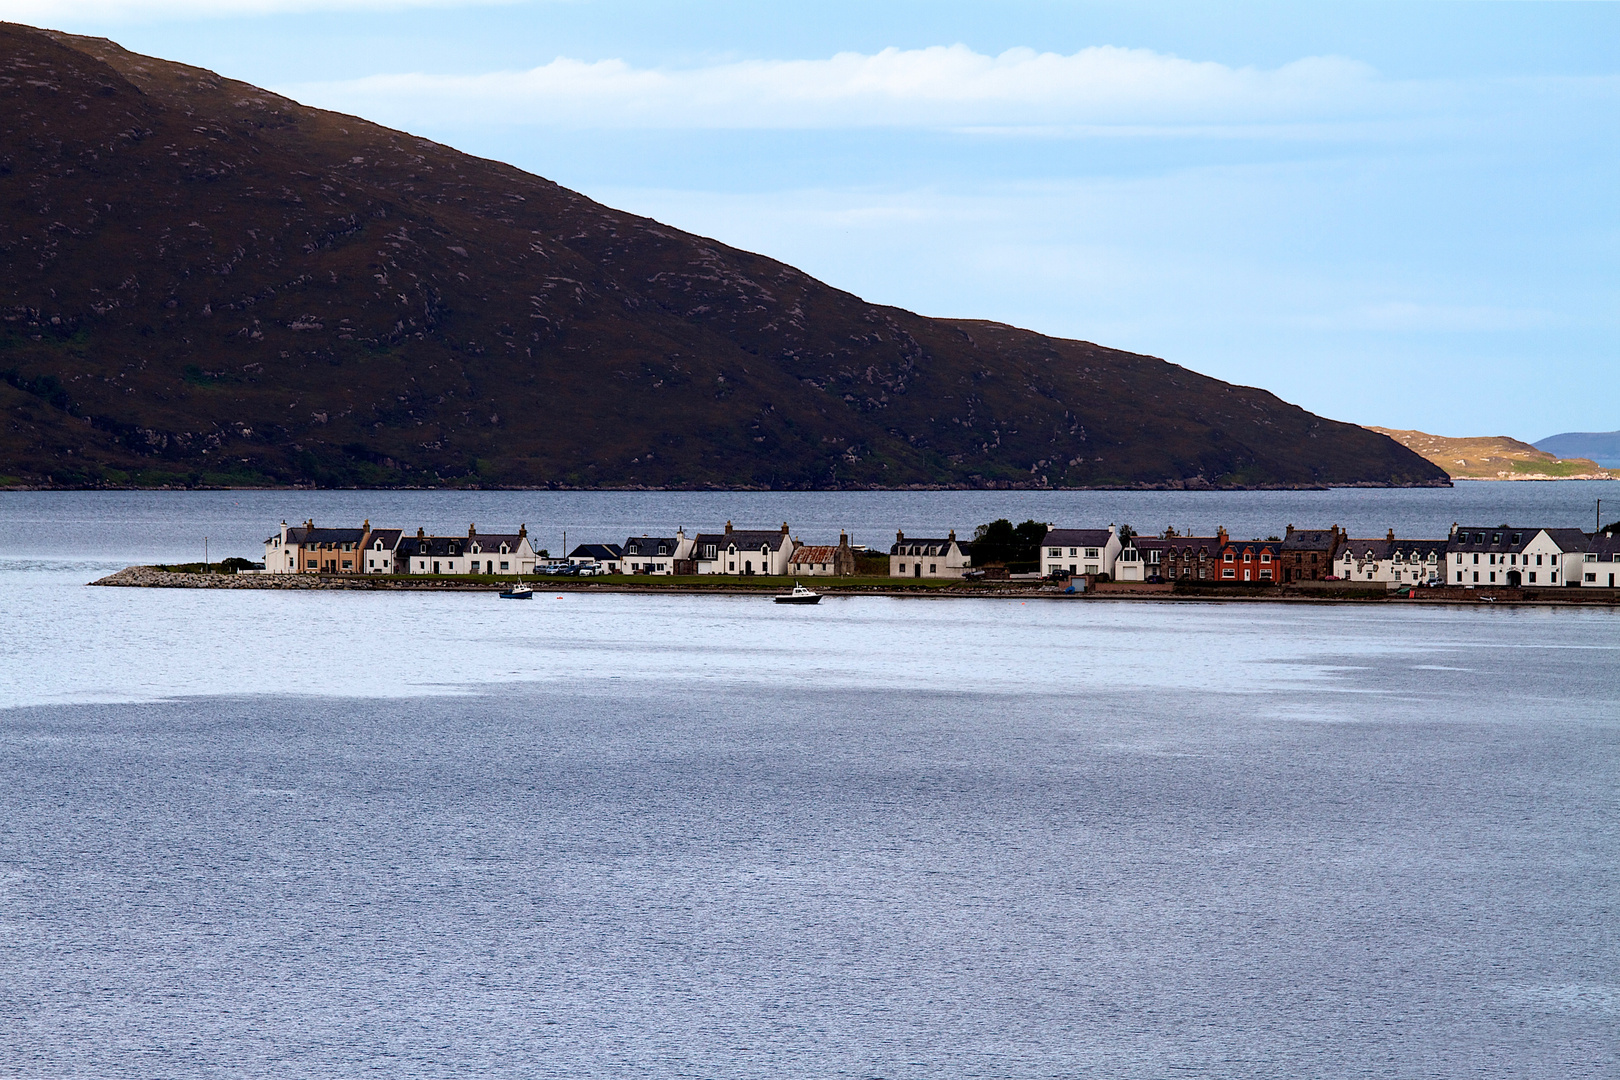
(1498, 555)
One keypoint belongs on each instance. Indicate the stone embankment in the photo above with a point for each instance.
(151, 577)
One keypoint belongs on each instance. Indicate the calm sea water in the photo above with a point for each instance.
(327, 835)
(172, 525)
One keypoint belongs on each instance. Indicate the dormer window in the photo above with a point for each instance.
(1516, 538)
(1496, 538)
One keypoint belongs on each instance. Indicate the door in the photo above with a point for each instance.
(918, 571)
(1513, 579)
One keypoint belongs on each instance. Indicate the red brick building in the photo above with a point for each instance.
(1254, 562)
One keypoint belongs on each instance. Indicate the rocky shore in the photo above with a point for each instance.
(152, 577)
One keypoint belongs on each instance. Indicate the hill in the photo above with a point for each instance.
(1496, 457)
(204, 283)
(1602, 447)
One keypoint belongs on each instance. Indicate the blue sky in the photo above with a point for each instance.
(1396, 214)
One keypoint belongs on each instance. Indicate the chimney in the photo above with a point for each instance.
(784, 528)
(1391, 536)
(951, 535)
(728, 528)
(365, 526)
(420, 533)
(472, 530)
(1289, 533)
(899, 537)
(523, 530)
(1220, 536)
(843, 539)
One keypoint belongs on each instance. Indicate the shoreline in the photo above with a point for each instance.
(151, 577)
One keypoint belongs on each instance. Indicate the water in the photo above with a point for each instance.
(322, 834)
(171, 525)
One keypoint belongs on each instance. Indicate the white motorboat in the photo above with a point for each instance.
(799, 595)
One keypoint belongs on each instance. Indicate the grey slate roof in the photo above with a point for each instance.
(1606, 546)
(1194, 545)
(642, 547)
(318, 535)
(599, 552)
(745, 539)
(1310, 540)
(389, 537)
(1506, 538)
(1570, 539)
(925, 545)
(1097, 538)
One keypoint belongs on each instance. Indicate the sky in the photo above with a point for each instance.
(1398, 214)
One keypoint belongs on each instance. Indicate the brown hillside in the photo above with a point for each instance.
(203, 282)
(1496, 457)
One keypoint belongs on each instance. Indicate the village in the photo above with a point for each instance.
(1093, 559)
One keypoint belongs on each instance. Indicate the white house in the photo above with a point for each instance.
(1600, 562)
(743, 551)
(925, 557)
(475, 553)
(654, 554)
(606, 556)
(1079, 551)
(1141, 558)
(1391, 561)
(379, 552)
(1505, 555)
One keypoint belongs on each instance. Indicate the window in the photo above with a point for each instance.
(1228, 573)
(1265, 575)
(1496, 538)
(902, 568)
(1532, 577)
(1057, 553)
(1229, 556)
(1091, 553)
(1590, 556)
(1265, 556)
(933, 568)
(505, 565)
(1515, 538)
(1591, 578)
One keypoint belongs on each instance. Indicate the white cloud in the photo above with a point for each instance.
(945, 86)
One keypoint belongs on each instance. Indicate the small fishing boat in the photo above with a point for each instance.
(799, 595)
(520, 591)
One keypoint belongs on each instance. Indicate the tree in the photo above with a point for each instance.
(1002, 542)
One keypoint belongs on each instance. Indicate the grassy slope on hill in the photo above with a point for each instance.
(1496, 457)
(204, 282)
